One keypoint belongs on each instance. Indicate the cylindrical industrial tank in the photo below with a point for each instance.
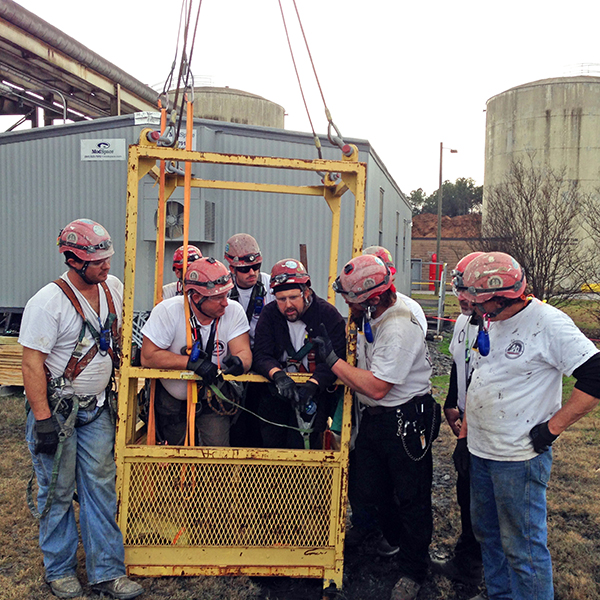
(558, 120)
(235, 106)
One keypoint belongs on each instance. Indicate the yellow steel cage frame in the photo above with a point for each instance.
(231, 511)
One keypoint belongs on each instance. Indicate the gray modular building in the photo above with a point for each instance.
(52, 175)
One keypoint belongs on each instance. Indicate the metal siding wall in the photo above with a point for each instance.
(44, 185)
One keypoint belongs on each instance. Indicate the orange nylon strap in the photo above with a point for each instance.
(192, 389)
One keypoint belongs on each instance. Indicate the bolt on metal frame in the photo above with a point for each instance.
(231, 511)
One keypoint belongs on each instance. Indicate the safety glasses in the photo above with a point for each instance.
(247, 258)
(248, 268)
(103, 245)
(212, 284)
(283, 277)
(352, 296)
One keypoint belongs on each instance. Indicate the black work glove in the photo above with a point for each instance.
(46, 433)
(541, 437)
(461, 457)
(325, 347)
(307, 394)
(204, 367)
(286, 386)
(233, 366)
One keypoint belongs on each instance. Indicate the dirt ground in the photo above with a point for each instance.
(574, 532)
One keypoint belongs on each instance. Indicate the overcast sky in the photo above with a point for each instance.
(403, 75)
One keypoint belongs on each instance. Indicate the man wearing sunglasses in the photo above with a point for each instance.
(282, 345)
(251, 289)
(220, 343)
(69, 334)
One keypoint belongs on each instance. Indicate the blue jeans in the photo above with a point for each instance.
(508, 510)
(87, 462)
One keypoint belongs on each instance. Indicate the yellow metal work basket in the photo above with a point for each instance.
(230, 511)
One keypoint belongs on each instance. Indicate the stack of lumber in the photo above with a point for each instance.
(11, 353)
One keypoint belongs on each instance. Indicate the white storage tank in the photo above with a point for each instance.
(235, 106)
(558, 120)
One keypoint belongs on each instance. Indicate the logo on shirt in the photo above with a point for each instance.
(514, 349)
(220, 348)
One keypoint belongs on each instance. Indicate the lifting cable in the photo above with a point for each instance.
(336, 138)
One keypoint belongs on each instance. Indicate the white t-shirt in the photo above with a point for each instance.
(244, 300)
(297, 331)
(170, 290)
(398, 355)
(461, 348)
(415, 309)
(519, 383)
(165, 327)
(51, 325)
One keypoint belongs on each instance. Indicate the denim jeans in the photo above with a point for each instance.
(87, 462)
(508, 510)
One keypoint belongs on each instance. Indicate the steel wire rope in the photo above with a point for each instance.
(315, 137)
(340, 141)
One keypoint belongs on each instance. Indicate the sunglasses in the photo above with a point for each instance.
(247, 268)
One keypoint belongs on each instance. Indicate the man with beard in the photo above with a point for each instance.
(282, 345)
(401, 418)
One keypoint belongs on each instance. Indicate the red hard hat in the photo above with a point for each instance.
(457, 274)
(384, 254)
(193, 254)
(208, 277)
(362, 278)
(86, 239)
(242, 250)
(493, 274)
(288, 270)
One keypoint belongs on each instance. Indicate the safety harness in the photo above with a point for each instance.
(69, 406)
(257, 299)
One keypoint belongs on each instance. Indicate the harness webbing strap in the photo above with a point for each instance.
(75, 365)
(257, 291)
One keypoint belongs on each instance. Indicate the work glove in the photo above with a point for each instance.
(286, 386)
(204, 368)
(46, 433)
(461, 457)
(307, 395)
(325, 347)
(233, 366)
(541, 437)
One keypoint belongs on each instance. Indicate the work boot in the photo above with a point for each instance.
(356, 536)
(480, 597)
(121, 588)
(464, 573)
(384, 548)
(405, 589)
(66, 587)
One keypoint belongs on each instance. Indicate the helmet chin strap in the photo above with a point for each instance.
(199, 304)
(81, 272)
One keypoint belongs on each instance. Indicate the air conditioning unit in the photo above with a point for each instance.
(202, 215)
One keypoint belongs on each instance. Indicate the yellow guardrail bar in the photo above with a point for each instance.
(231, 511)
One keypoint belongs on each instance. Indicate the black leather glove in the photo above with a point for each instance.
(233, 366)
(204, 367)
(461, 457)
(325, 347)
(286, 386)
(541, 437)
(307, 394)
(46, 433)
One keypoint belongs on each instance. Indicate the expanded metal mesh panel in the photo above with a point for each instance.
(229, 505)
